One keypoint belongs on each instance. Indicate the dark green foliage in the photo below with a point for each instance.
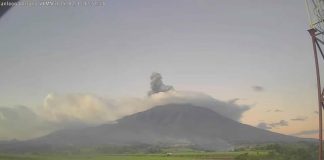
(244, 156)
(297, 151)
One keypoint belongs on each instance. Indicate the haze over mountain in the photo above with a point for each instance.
(168, 125)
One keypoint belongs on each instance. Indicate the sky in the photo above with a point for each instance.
(252, 53)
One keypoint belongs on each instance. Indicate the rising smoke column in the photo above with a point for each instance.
(157, 84)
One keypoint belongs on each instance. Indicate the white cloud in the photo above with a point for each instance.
(71, 110)
(92, 109)
(85, 108)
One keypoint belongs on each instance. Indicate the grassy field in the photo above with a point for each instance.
(298, 151)
(176, 156)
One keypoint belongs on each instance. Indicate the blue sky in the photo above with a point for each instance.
(222, 48)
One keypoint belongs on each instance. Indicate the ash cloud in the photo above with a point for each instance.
(157, 84)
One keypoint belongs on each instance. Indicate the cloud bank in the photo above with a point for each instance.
(75, 110)
(92, 109)
(276, 110)
(79, 110)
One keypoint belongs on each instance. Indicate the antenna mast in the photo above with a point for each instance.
(315, 10)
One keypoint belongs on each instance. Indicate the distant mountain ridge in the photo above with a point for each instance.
(169, 125)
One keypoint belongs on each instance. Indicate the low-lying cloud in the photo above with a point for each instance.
(86, 108)
(281, 123)
(306, 132)
(299, 118)
(92, 109)
(264, 126)
(267, 126)
(75, 110)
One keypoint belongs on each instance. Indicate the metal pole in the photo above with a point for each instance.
(320, 131)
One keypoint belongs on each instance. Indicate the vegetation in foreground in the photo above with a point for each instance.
(299, 151)
(176, 156)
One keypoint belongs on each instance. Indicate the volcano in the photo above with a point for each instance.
(168, 125)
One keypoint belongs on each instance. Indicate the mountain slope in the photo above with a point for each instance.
(172, 124)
